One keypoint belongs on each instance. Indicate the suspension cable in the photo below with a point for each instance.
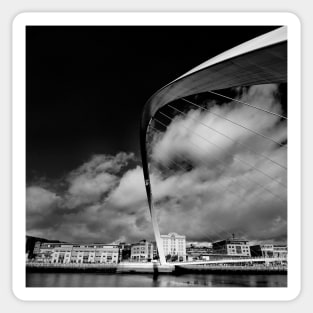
(237, 142)
(235, 123)
(224, 167)
(220, 184)
(235, 158)
(248, 104)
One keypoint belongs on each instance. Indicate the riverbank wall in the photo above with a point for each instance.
(100, 268)
(71, 268)
(254, 269)
(153, 268)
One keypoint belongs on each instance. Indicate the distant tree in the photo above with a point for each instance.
(174, 258)
(168, 257)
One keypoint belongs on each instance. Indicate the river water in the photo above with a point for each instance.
(148, 280)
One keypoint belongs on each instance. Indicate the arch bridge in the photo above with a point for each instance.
(261, 60)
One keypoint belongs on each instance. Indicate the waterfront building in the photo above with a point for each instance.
(142, 251)
(155, 251)
(62, 253)
(125, 251)
(262, 250)
(233, 247)
(36, 247)
(280, 251)
(77, 253)
(269, 250)
(174, 246)
(196, 252)
(45, 252)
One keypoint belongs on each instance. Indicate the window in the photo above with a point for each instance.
(238, 249)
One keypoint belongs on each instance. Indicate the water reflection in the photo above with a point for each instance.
(152, 280)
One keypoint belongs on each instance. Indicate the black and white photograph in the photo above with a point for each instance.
(156, 156)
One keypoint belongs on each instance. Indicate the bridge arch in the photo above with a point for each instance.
(258, 61)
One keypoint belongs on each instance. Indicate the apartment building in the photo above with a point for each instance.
(77, 253)
(234, 246)
(174, 246)
(142, 251)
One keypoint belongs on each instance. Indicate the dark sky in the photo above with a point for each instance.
(86, 86)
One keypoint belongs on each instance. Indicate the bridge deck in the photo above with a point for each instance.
(231, 261)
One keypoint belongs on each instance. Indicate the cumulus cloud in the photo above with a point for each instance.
(205, 185)
(40, 204)
(95, 178)
(234, 182)
(130, 190)
(39, 200)
(82, 212)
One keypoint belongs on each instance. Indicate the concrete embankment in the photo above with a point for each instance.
(256, 269)
(153, 268)
(71, 268)
(101, 268)
(144, 268)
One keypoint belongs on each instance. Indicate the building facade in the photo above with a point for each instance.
(125, 251)
(262, 250)
(174, 245)
(196, 252)
(142, 251)
(280, 251)
(269, 251)
(235, 247)
(77, 253)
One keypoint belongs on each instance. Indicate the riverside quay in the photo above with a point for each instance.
(228, 250)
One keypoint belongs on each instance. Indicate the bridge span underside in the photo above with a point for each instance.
(259, 61)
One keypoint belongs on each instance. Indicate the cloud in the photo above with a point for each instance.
(204, 184)
(39, 200)
(130, 190)
(82, 212)
(40, 204)
(204, 135)
(227, 178)
(95, 178)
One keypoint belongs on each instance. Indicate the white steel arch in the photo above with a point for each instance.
(258, 61)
